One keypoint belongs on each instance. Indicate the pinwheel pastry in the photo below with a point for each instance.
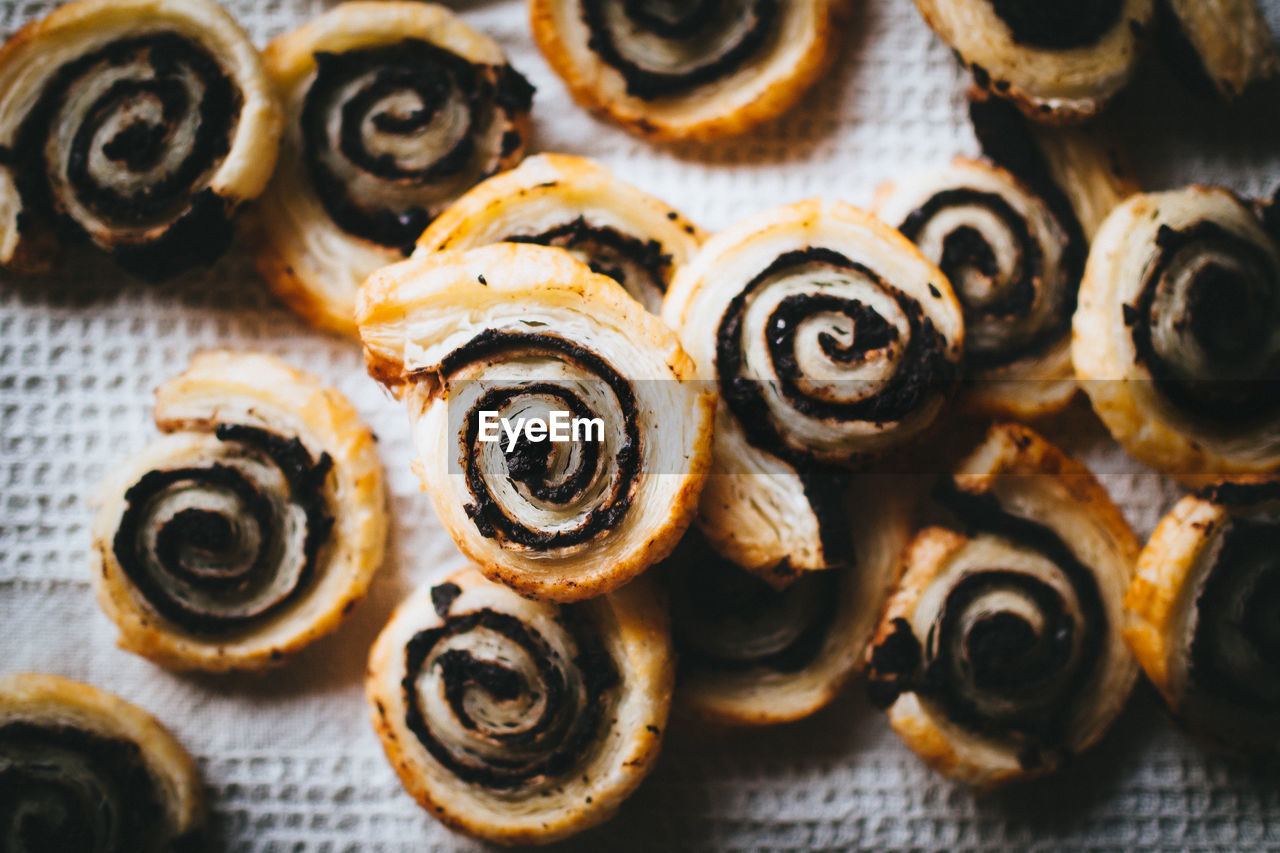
(1177, 337)
(488, 348)
(832, 340)
(1202, 614)
(82, 770)
(1000, 656)
(700, 70)
(518, 721)
(751, 654)
(139, 125)
(393, 111)
(578, 205)
(1059, 62)
(1222, 47)
(251, 528)
(1013, 243)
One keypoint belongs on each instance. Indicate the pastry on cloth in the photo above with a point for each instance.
(832, 340)
(85, 771)
(578, 205)
(517, 721)
(138, 125)
(698, 70)
(481, 343)
(393, 110)
(1177, 336)
(1059, 62)
(1202, 614)
(1011, 233)
(1001, 655)
(251, 528)
(751, 654)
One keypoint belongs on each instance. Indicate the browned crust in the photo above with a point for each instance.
(631, 112)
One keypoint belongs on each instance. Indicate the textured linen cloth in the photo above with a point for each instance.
(290, 759)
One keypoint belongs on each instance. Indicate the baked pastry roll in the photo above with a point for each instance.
(1221, 48)
(751, 654)
(140, 125)
(394, 110)
(578, 205)
(1177, 337)
(831, 340)
(699, 71)
(1000, 656)
(1011, 235)
(518, 721)
(511, 333)
(1202, 614)
(84, 770)
(1059, 62)
(251, 528)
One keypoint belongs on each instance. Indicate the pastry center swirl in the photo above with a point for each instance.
(819, 337)
(544, 495)
(63, 788)
(1017, 294)
(393, 134)
(666, 48)
(504, 703)
(1060, 26)
(218, 546)
(1206, 323)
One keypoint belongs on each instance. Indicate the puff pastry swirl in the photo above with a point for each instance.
(517, 721)
(698, 70)
(394, 110)
(514, 331)
(140, 125)
(1202, 614)
(1059, 62)
(751, 654)
(831, 340)
(1177, 337)
(1221, 48)
(84, 770)
(578, 205)
(247, 531)
(1000, 656)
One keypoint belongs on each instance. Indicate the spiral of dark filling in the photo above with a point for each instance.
(529, 714)
(64, 788)
(966, 252)
(991, 670)
(552, 474)
(137, 152)
(1210, 299)
(921, 372)
(641, 266)
(217, 547)
(666, 48)
(727, 619)
(1059, 26)
(1235, 646)
(365, 109)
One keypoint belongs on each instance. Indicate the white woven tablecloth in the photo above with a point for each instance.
(290, 759)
